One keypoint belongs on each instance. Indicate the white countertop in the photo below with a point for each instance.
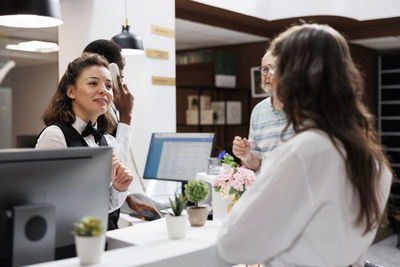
(147, 244)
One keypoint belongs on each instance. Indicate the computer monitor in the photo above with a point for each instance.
(69, 183)
(178, 156)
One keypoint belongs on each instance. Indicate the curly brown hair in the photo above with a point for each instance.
(319, 81)
(60, 108)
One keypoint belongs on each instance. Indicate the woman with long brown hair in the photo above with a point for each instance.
(78, 115)
(320, 196)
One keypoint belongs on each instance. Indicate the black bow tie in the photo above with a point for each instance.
(89, 130)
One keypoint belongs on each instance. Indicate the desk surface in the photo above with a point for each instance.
(147, 244)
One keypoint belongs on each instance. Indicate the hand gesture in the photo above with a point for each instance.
(135, 204)
(121, 177)
(123, 101)
(241, 148)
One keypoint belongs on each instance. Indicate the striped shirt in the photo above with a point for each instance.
(266, 126)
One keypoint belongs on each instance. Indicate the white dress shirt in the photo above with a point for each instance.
(53, 137)
(300, 211)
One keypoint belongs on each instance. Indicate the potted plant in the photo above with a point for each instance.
(228, 161)
(196, 191)
(232, 184)
(89, 240)
(225, 69)
(176, 221)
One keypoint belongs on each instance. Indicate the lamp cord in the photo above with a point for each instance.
(126, 13)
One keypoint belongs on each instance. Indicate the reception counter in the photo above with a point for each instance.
(147, 244)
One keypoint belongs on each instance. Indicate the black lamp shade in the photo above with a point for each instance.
(127, 40)
(30, 14)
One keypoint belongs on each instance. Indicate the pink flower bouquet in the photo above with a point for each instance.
(233, 183)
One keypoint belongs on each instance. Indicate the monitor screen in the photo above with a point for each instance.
(178, 156)
(74, 181)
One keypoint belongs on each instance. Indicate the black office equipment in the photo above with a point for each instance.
(42, 193)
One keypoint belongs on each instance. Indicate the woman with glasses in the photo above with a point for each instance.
(319, 196)
(267, 121)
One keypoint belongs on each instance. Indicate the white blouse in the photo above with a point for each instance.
(53, 137)
(300, 211)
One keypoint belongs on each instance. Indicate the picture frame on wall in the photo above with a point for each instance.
(256, 89)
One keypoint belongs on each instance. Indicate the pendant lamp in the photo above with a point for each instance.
(130, 43)
(30, 14)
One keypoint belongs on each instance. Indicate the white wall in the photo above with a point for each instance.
(282, 9)
(154, 106)
(5, 117)
(32, 89)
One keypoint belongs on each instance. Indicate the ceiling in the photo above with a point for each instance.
(11, 35)
(191, 35)
(201, 26)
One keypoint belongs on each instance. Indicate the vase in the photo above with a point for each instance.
(176, 226)
(226, 167)
(89, 249)
(230, 206)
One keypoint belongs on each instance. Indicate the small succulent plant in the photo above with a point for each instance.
(88, 226)
(178, 205)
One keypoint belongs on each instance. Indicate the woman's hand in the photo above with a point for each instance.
(135, 204)
(121, 177)
(123, 101)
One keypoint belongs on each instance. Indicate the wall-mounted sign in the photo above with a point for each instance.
(156, 53)
(162, 80)
(162, 31)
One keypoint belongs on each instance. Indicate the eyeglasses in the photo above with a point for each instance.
(266, 69)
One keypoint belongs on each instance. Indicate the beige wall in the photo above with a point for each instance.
(32, 89)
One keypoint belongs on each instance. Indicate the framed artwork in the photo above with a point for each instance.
(256, 89)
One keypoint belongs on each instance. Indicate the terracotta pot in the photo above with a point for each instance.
(197, 216)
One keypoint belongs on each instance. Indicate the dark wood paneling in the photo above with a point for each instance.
(366, 60)
(353, 29)
(249, 55)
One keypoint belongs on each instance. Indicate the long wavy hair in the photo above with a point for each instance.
(60, 108)
(319, 81)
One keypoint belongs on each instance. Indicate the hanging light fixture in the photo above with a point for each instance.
(30, 14)
(130, 43)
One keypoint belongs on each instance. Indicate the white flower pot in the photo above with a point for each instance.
(176, 226)
(89, 249)
(219, 206)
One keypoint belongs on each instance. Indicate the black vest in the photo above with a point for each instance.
(73, 138)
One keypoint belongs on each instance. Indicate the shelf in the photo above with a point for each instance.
(211, 125)
(390, 71)
(392, 86)
(390, 102)
(390, 133)
(211, 88)
(392, 149)
(389, 118)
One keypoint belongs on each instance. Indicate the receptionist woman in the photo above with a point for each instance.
(78, 115)
(321, 194)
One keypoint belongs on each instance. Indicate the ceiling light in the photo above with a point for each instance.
(34, 46)
(30, 14)
(130, 43)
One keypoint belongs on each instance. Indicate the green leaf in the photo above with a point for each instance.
(88, 226)
(179, 204)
